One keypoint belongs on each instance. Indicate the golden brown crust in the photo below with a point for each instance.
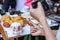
(6, 24)
(7, 19)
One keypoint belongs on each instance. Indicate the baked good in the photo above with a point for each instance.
(6, 24)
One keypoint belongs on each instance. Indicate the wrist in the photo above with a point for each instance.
(43, 22)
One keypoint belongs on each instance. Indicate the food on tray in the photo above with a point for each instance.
(5, 18)
(19, 19)
(10, 20)
(16, 18)
(6, 24)
(21, 22)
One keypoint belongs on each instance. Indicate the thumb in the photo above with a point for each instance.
(39, 4)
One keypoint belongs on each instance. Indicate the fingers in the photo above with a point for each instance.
(32, 24)
(33, 30)
(36, 33)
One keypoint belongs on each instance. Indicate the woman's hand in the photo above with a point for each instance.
(37, 13)
(35, 29)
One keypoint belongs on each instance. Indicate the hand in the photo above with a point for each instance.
(37, 13)
(35, 29)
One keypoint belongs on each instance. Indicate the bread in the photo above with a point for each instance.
(6, 24)
(5, 18)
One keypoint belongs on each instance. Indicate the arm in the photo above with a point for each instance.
(38, 14)
(54, 32)
(48, 32)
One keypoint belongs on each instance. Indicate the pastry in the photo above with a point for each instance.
(6, 24)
